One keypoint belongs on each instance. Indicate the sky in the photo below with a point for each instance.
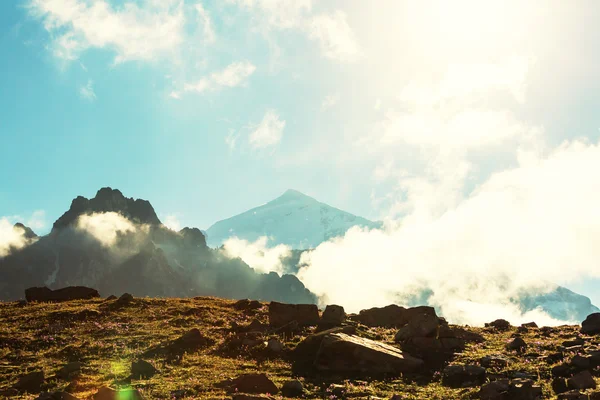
(392, 110)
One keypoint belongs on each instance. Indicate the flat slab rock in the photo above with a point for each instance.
(43, 294)
(343, 353)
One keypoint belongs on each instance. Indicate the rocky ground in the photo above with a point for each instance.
(210, 348)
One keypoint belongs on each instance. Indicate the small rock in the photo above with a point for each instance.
(303, 314)
(581, 362)
(247, 305)
(496, 390)
(275, 346)
(111, 297)
(459, 376)
(254, 383)
(106, 393)
(124, 300)
(562, 370)
(582, 380)
(333, 315)
(559, 385)
(494, 361)
(31, 383)
(56, 396)
(529, 325)
(293, 388)
(190, 341)
(573, 342)
(499, 324)
(250, 397)
(422, 325)
(591, 325)
(142, 370)
(69, 370)
(517, 344)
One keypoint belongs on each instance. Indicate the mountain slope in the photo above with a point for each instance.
(123, 247)
(294, 219)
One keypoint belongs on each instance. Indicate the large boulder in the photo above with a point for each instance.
(281, 314)
(333, 315)
(43, 294)
(392, 316)
(421, 325)
(591, 325)
(337, 353)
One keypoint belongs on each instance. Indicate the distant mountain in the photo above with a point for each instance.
(117, 244)
(294, 219)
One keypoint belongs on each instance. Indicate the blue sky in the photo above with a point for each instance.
(397, 110)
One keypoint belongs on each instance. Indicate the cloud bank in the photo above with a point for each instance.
(107, 227)
(11, 237)
(256, 254)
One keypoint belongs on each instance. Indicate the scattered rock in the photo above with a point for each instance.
(191, 341)
(392, 316)
(574, 342)
(332, 316)
(499, 324)
(581, 362)
(56, 396)
(142, 370)
(254, 383)
(591, 325)
(517, 389)
(69, 370)
(421, 325)
(106, 393)
(293, 388)
(111, 297)
(494, 361)
(529, 325)
(582, 380)
(247, 305)
(282, 314)
(31, 383)
(459, 376)
(255, 326)
(124, 300)
(275, 346)
(517, 344)
(43, 294)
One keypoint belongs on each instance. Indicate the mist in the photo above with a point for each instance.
(257, 254)
(11, 237)
(523, 230)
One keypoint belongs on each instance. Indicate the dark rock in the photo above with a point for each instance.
(392, 316)
(350, 355)
(275, 346)
(106, 393)
(591, 325)
(573, 342)
(421, 325)
(499, 324)
(517, 344)
(581, 362)
(305, 352)
(247, 305)
(69, 370)
(124, 300)
(31, 383)
(293, 388)
(494, 361)
(582, 380)
(559, 385)
(111, 297)
(529, 325)
(142, 370)
(555, 357)
(43, 294)
(255, 326)
(191, 341)
(517, 389)
(250, 397)
(282, 314)
(459, 376)
(562, 370)
(332, 316)
(254, 383)
(56, 396)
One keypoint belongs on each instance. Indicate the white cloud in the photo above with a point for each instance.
(256, 254)
(330, 101)
(523, 227)
(209, 33)
(331, 31)
(136, 31)
(231, 139)
(106, 227)
(269, 132)
(36, 221)
(235, 74)
(335, 36)
(87, 92)
(11, 237)
(172, 222)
